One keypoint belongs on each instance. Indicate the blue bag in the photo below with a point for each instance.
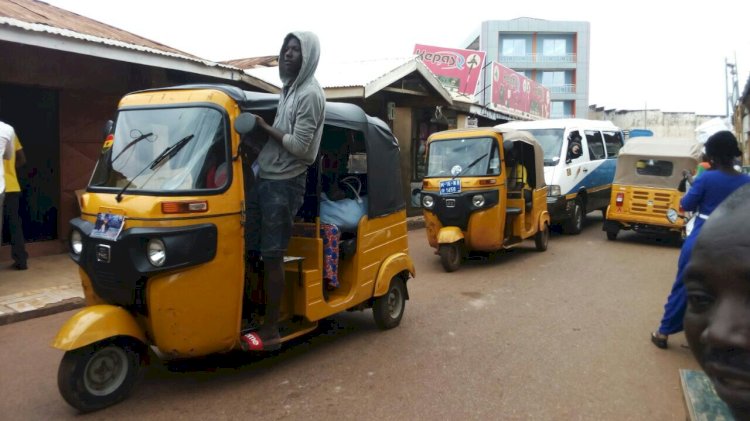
(344, 213)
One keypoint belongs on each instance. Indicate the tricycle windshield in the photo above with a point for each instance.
(471, 157)
(551, 141)
(166, 149)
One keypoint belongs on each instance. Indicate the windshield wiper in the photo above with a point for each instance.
(132, 143)
(474, 162)
(163, 157)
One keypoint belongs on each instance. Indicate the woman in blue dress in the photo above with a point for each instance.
(709, 190)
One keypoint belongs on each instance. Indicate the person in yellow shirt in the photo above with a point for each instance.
(11, 210)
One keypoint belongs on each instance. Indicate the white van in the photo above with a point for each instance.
(576, 184)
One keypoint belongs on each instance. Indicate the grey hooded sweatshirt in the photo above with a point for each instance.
(300, 115)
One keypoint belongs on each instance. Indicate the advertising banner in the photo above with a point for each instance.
(458, 70)
(517, 92)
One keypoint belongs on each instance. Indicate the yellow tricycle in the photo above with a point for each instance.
(483, 191)
(160, 241)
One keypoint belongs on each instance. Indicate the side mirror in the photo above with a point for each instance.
(244, 123)
(682, 187)
(108, 126)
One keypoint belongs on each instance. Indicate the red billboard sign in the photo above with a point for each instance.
(458, 70)
(513, 90)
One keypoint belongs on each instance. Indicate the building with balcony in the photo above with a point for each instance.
(553, 53)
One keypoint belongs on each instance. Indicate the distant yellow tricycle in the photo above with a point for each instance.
(160, 242)
(483, 191)
(647, 185)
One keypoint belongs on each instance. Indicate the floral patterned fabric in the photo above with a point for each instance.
(331, 236)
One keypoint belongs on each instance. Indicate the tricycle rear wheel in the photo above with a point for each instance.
(541, 238)
(450, 256)
(389, 309)
(100, 374)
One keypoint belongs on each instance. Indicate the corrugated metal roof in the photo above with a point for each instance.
(37, 23)
(253, 62)
(37, 12)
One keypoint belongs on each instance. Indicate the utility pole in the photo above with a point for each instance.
(732, 85)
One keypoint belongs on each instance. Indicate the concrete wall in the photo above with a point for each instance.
(663, 124)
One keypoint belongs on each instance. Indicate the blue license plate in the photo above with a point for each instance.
(450, 186)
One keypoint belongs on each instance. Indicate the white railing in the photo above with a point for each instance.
(539, 58)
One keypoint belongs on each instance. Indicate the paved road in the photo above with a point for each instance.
(525, 335)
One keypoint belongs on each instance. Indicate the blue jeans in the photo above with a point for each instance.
(271, 207)
(674, 309)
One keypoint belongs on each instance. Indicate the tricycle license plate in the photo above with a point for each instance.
(450, 186)
(108, 226)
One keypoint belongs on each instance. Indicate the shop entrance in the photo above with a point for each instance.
(33, 112)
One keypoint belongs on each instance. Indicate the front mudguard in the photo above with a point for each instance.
(96, 323)
(449, 235)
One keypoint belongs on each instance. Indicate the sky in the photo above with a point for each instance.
(659, 54)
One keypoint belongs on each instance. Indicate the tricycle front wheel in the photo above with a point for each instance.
(100, 374)
(450, 256)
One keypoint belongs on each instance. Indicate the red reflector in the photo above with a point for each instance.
(620, 198)
(486, 182)
(184, 207)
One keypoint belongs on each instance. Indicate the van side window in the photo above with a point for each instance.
(596, 144)
(613, 143)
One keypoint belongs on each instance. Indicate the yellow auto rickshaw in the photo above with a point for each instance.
(160, 241)
(646, 185)
(483, 191)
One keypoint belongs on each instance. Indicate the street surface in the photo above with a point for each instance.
(562, 334)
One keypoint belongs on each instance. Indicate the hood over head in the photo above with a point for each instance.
(310, 45)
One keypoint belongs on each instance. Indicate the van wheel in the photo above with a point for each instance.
(450, 256)
(541, 238)
(101, 374)
(575, 224)
(389, 309)
(612, 235)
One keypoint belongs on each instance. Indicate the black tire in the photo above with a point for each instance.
(450, 256)
(101, 374)
(575, 224)
(612, 235)
(541, 238)
(389, 309)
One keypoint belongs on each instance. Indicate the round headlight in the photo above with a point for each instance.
(477, 200)
(76, 242)
(428, 201)
(672, 215)
(156, 252)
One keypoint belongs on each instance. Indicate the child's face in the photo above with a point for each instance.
(717, 320)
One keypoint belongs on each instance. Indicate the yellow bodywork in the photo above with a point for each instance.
(95, 323)
(644, 206)
(197, 311)
(489, 229)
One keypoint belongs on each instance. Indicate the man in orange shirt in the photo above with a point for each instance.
(11, 214)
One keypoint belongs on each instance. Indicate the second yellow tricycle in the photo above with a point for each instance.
(484, 191)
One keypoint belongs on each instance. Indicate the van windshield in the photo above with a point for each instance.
(551, 141)
(142, 135)
(463, 157)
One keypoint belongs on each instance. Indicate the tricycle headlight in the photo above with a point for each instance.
(672, 215)
(477, 200)
(76, 242)
(427, 201)
(156, 252)
(553, 190)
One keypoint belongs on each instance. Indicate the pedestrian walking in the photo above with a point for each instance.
(11, 208)
(709, 190)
